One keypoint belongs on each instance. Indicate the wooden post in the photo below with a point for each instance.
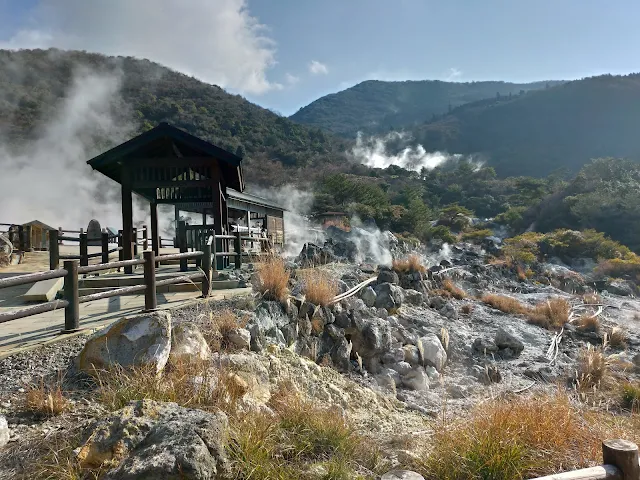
(127, 217)
(145, 238)
(121, 251)
(623, 455)
(182, 243)
(155, 239)
(105, 247)
(238, 245)
(150, 300)
(135, 242)
(54, 250)
(72, 311)
(214, 264)
(84, 250)
(27, 239)
(206, 268)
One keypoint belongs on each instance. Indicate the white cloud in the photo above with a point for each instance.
(218, 41)
(453, 74)
(291, 79)
(317, 68)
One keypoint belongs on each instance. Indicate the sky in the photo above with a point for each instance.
(283, 54)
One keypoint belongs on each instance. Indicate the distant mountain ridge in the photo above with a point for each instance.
(376, 106)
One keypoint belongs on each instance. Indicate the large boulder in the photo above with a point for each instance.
(373, 339)
(388, 276)
(507, 338)
(149, 439)
(188, 344)
(389, 296)
(4, 431)
(416, 379)
(140, 340)
(369, 296)
(432, 351)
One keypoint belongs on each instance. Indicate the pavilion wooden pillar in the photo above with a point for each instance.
(216, 195)
(155, 244)
(127, 218)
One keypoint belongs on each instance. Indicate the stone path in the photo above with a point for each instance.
(30, 332)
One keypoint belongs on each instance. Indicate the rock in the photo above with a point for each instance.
(341, 355)
(411, 355)
(4, 431)
(375, 338)
(94, 233)
(342, 320)
(393, 356)
(416, 379)
(393, 374)
(402, 475)
(432, 373)
(620, 287)
(239, 337)
(437, 302)
(369, 296)
(449, 311)
(636, 360)
(413, 297)
(508, 339)
(484, 345)
(432, 351)
(386, 382)
(401, 367)
(388, 276)
(148, 439)
(138, 340)
(188, 344)
(487, 374)
(389, 296)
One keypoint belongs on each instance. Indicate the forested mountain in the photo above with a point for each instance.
(34, 82)
(541, 131)
(375, 106)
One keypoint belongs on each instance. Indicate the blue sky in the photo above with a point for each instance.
(283, 54)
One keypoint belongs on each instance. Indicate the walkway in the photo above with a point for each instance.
(30, 332)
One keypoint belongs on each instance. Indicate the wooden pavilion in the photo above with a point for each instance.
(166, 165)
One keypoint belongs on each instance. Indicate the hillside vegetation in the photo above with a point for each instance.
(537, 133)
(375, 106)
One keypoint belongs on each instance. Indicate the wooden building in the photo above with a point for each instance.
(36, 235)
(166, 165)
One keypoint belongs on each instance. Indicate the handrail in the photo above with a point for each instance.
(106, 266)
(36, 309)
(31, 278)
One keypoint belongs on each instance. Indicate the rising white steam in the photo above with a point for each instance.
(375, 152)
(48, 179)
(298, 229)
(372, 244)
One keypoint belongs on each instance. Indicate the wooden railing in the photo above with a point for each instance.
(620, 462)
(72, 270)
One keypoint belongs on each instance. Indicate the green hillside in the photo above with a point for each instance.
(376, 106)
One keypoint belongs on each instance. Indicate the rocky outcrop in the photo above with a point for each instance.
(140, 340)
(149, 439)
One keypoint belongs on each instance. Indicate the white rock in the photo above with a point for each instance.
(4, 431)
(433, 352)
(240, 337)
(188, 343)
(416, 379)
(138, 340)
(411, 354)
(432, 373)
(401, 367)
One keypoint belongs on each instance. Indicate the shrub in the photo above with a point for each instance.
(318, 286)
(592, 367)
(467, 309)
(442, 232)
(504, 304)
(617, 337)
(218, 326)
(588, 323)
(631, 396)
(591, 298)
(522, 249)
(455, 291)
(552, 313)
(477, 234)
(507, 440)
(45, 401)
(411, 264)
(273, 279)
(618, 268)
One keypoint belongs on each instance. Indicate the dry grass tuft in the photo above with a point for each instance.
(456, 292)
(319, 287)
(411, 264)
(552, 313)
(218, 326)
(505, 440)
(591, 298)
(46, 401)
(617, 337)
(273, 279)
(631, 396)
(467, 309)
(504, 304)
(588, 323)
(592, 368)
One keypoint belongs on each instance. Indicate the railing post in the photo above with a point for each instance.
(182, 243)
(105, 247)
(84, 250)
(145, 238)
(206, 268)
(150, 300)
(623, 455)
(54, 250)
(238, 245)
(135, 241)
(214, 263)
(72, 311)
